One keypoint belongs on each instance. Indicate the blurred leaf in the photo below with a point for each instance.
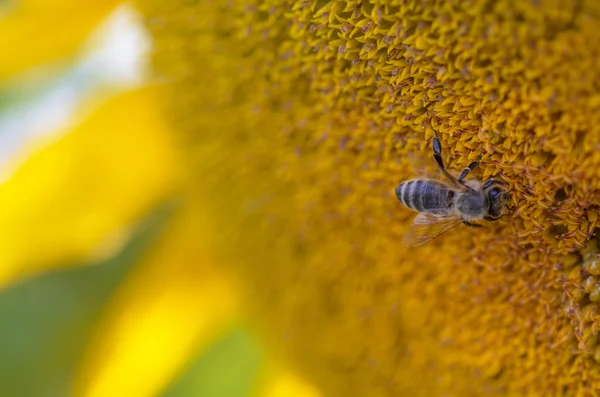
(46, 320)
(228, 368)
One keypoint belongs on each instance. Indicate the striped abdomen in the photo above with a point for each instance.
(428, 196)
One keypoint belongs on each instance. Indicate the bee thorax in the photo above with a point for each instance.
(472, 205)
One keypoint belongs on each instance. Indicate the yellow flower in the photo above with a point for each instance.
(289, 125)
(299, 119)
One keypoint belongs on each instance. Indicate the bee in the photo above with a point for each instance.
(443, 206)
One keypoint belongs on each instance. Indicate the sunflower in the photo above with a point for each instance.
(274, 136)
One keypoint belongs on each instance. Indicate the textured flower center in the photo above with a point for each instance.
(302, 117)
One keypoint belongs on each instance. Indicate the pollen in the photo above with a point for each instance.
(299, 118)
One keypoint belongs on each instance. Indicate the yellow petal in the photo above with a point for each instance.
(37, 31)
(171, 306)
(287, 384)
(78, 192)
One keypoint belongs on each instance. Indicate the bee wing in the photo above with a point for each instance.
(426, 227)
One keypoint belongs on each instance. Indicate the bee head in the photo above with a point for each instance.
(497, 198)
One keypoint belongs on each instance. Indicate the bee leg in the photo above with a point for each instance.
(491, 182)
(469, 168)
(472, 224)
(437, 156)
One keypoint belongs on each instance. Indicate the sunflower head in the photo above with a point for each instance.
(300, 118)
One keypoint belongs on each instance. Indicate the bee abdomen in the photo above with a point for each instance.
(408, 193)
(425, 196)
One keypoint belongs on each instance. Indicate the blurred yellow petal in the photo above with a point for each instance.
(287, 384)
(37, 31)
(74, 194)
(172, 306)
